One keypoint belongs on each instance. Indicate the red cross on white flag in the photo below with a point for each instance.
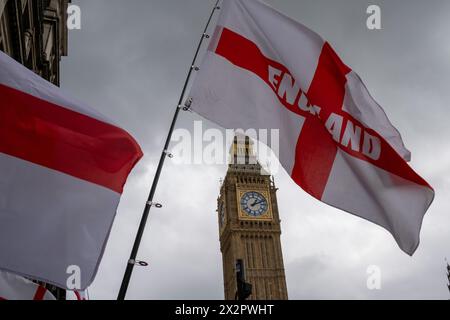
(265, 70)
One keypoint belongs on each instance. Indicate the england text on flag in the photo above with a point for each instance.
(336, 142)
(63, 167)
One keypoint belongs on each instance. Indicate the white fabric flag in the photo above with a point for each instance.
(265, 70)
(62, 171)
(13, 287)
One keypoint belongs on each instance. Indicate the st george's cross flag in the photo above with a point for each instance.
(63, 167)
(265, 70)
(13, 287)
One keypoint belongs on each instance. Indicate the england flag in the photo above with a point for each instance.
(336, 142)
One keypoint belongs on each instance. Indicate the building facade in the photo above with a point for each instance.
(34, 32)
(249, 226)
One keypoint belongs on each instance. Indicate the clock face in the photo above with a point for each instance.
(254, 204)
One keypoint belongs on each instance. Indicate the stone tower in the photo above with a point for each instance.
(249, 226)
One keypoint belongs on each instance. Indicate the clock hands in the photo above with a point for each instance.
(257, 202)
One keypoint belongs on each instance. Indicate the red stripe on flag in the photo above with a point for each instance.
(316, 149)
(327, 88)
(330, 77)
(40, 293)
(245, 54)
(46, 134)
(314, 157)
(78, 295)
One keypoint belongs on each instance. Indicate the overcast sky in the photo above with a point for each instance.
(129, 61)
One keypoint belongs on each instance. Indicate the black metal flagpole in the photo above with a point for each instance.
(164, 154)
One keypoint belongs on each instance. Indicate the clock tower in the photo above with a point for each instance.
(249, 226)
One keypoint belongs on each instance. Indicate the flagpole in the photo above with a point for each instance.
(164, 154)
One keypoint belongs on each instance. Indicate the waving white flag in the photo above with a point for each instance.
(265, 70)
(63, 167)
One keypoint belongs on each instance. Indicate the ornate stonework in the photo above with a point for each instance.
(249, 226)
(34, 32)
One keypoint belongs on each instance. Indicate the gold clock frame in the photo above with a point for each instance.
(268, 216)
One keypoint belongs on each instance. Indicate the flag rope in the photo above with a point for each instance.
(164, 154)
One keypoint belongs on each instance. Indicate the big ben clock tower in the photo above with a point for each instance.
(249, 226)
